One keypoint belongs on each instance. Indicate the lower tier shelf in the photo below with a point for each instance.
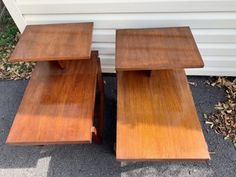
(58, 105)
(156, 117)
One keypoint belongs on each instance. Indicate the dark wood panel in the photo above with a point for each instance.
(58, 104)
(156, 117)
(54, 42)
(160, 48)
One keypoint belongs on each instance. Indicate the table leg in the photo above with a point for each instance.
(62, 64)
(149, 73)
(100, 115)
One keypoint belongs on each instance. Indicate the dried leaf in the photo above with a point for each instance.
(8, 70)
(208, 123)
(226, 138)
(229, 111)
(223, 121)
(193, 83)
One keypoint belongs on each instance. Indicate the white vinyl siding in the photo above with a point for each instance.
(213, 24)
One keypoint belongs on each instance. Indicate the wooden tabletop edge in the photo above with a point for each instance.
(16, 143)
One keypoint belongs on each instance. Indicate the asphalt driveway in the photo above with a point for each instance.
(99, 160)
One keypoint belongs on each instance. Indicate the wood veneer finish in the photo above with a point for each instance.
(153, 49)
(58, 104)
(156, 117)
(54, 42)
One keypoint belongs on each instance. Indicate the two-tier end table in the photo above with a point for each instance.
(156, 115)
(59, 102)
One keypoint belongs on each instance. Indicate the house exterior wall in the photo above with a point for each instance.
(213, 23)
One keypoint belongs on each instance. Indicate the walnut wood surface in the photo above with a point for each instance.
(58, 104)
(160, 48)
(54, 42)
(156, 117)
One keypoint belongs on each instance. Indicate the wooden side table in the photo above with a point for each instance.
(59, 101)
(156, 116)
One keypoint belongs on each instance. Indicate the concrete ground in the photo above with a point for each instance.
(99, 160)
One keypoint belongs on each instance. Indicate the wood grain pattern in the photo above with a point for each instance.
(54, 42)
(58, 104)
(156, 117)
(160, 48)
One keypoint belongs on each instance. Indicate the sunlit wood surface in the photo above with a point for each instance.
(156, 117)
(58, 104)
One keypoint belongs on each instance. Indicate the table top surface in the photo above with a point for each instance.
(156, 117)
(54, 42)
(58, 105)
(157, 48)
